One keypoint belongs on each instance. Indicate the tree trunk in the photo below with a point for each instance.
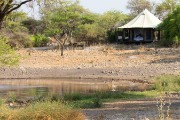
(62, 50)
(1, 20)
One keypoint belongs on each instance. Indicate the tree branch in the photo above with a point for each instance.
(19, 5)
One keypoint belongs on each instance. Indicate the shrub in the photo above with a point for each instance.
(7, 54)
(170, 27)
(39, 40)
(42, 111)
(167, 83)
(20, 40)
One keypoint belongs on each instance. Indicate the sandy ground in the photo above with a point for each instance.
(114, 61)
(134, 110)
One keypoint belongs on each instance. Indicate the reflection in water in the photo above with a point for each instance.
(34, 87)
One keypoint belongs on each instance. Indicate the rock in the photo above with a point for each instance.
(78, 68)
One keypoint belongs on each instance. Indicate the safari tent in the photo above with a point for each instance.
(141, 29)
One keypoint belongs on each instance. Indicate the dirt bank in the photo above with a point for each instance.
(133, 110)
(114, 61)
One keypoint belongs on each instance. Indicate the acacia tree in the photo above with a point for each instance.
(62, 20)
(137, 6)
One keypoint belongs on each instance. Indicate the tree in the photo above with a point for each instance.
(171, 28)
(137, 6)
(166, 7)
(34, 26)
(8, 6)
(107, 22)
(17, 35)
(102, 27)
(63, 20)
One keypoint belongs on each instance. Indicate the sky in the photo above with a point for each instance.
(101, 6)
(96, 6)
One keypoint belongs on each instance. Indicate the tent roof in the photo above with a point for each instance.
(144, 20)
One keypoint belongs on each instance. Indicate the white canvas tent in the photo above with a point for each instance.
(144, 20)
(141, 28)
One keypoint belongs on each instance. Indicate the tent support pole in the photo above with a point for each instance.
(144, 34)
(152, 34)
(130, 33)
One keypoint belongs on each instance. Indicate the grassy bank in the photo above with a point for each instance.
(96, 100)
(41, 111)
(162, 85)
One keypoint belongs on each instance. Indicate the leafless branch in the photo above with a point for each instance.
(19, 5)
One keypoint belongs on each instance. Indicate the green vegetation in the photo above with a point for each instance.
(166, 7)
(171, 29)
(39, 40)
(77, 24)
(167, 83)
(95, 100)
(7, 55)
(41, 111)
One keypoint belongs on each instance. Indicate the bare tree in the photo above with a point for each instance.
(137, 6)
(60, 40)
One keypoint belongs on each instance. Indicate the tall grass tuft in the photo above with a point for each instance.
(165, 85)
(41, 111)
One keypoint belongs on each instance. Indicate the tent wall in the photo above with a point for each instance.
(138, 35)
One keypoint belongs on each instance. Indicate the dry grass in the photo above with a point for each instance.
(41, 111)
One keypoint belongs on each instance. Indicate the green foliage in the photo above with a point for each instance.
(17, 34)
(167, 83)
(166, 7)
(39, 40)
(107, 22)
(19, 40)
(41, 111)
(64, 19)
(1, 102)
(34, 26)
(96, 32)
(95, 100)
(14, 20)
(7, 54)
(171, 29)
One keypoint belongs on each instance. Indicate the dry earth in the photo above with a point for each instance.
(115, 61)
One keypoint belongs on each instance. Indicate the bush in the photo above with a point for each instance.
(20, 40)
(39, 40)
(170, 29)
(7, 54)
(41, 111)
(167, 83)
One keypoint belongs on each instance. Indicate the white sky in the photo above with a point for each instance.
(97, 6)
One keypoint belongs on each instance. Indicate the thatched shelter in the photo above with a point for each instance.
(141, 29)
